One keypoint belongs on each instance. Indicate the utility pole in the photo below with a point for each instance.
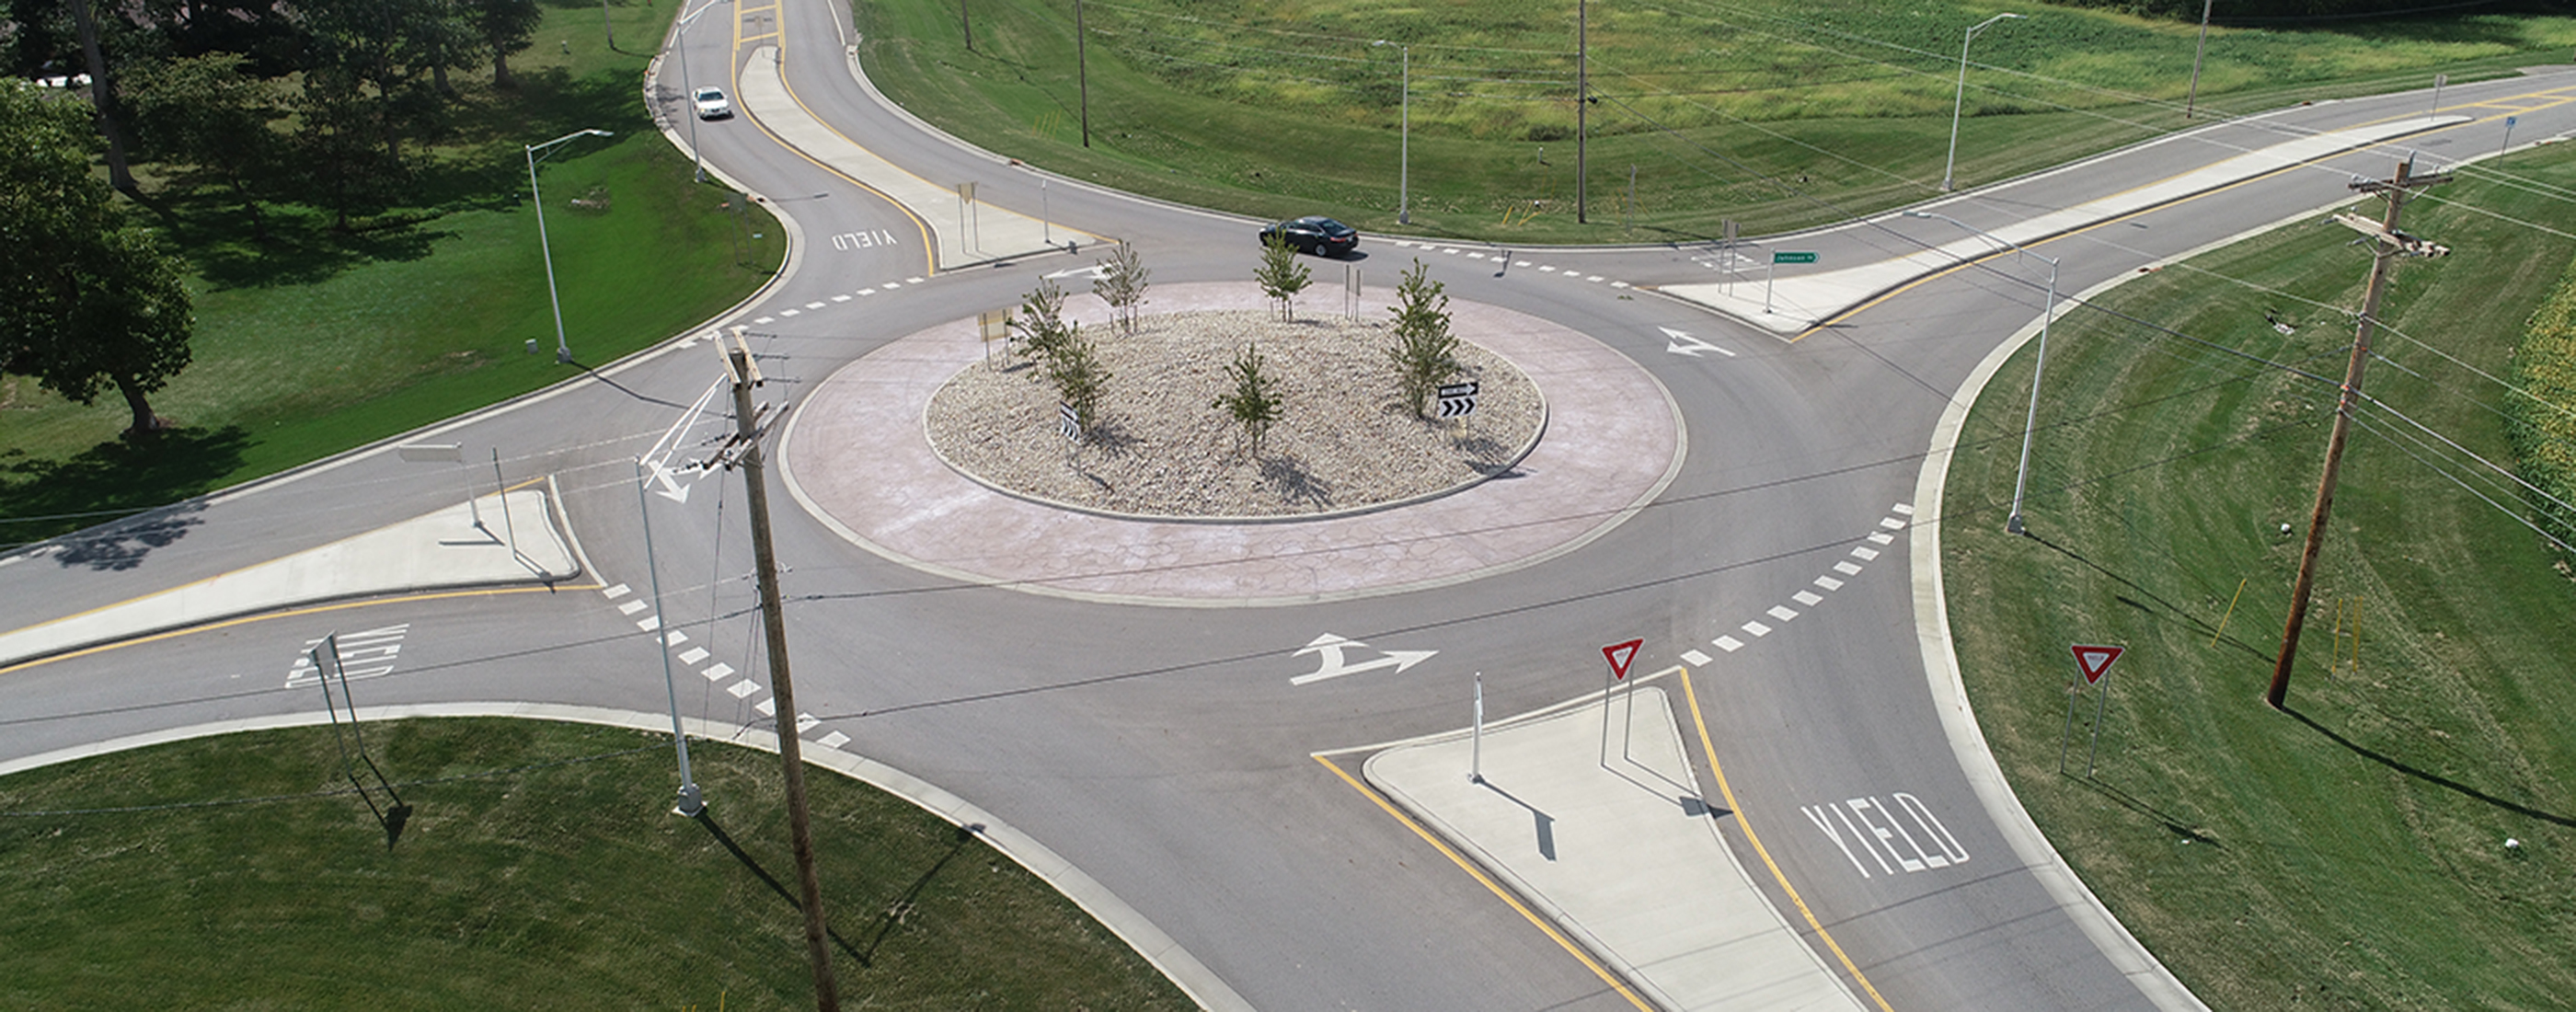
(2386, 244)
(1582, 98)
(773, 626)
(2192, 97)
(1082, 70)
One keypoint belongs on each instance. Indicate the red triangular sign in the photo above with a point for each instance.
(1621, 655)
(2096, 661)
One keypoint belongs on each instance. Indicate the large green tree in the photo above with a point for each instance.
(504, 27)
(208, 113)
(88, 300)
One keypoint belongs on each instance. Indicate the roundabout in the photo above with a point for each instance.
(1612, 441)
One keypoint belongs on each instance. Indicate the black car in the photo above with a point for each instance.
(1320, 236)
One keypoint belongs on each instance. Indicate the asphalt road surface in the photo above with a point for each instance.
(1164, 750)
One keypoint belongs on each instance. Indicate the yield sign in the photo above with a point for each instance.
(1621, 655)
(2096, 661)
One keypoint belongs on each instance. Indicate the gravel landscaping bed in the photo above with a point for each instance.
(1343, 441)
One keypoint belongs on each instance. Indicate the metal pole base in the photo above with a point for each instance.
(563, 356)
(689, 803)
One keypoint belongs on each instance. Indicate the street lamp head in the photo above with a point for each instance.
(595, 132)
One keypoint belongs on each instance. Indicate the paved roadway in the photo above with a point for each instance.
(1164, 751)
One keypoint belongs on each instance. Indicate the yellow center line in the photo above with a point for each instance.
(1747, 826)
(1495, 887)
(2553, 97)
(248, 619)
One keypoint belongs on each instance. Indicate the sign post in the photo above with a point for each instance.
(1620, 655)
(1728, 248)
(1476, 744)
(2508, 135)
(1457, 400)
(2095, 664)
(1776, 260)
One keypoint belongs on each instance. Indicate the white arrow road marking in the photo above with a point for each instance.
(1680, 343)
(1093, 271)
(1334, 666)
(658, 459)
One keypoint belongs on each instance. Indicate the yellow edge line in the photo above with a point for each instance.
(930, 245)
(931, 256)
(247, 619)
(1711, 752)
(1496, 888)
(1965, 264)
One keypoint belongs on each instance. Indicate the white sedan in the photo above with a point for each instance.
(711, 103)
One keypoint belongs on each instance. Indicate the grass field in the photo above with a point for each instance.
(2350, 853)
(541, 869)
(320, 340)
(1776, 114)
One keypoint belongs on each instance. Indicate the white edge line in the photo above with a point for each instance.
(1184, 970)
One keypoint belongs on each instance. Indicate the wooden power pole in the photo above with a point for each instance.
(2387, 243)
(773, 624)
(1582, 98)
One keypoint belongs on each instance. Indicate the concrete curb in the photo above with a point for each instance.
(1949, 689)
(1176, 963)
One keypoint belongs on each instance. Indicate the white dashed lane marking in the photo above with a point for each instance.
(1811, 598)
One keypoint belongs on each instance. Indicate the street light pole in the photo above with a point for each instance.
(1960, 97)
(689, 803)
(2193, 96)
(1404, 135)
(563, 350)
(2030, 417)
(688, 84)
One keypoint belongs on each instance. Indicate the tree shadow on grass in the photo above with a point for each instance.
(479, 166)
(50, 498)
(2429, 776)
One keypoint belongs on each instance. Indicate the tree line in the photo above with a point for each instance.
(314, 102)
(320, 100)
(2284, 13)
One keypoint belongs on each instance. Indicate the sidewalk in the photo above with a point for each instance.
(1790, 303)
(961, 233)
(517, 542)
(1616, 845)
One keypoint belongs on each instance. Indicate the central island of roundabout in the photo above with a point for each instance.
(908, 455)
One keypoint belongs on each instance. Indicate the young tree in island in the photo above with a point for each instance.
(1065, 358)
(1254, 402)
(1039, 327)
(1425, 354)
(1080, 380)
(1121, 284)
(88, 300)
(1280, 275)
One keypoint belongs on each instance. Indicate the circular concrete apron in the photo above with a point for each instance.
(856, 457)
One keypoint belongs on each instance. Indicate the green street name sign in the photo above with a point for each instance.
(1793, 258)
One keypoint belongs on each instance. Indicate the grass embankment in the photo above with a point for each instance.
(1723, 110)
(318, 340)
(2350, 853)
(541, 868)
